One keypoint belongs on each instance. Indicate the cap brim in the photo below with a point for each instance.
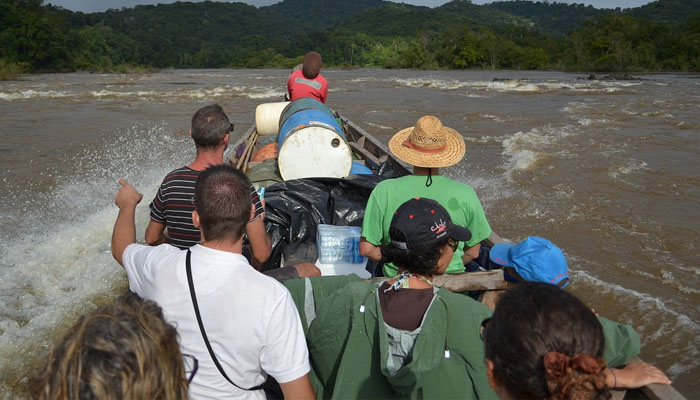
(454, 150)
(459, 233)
(499, 254)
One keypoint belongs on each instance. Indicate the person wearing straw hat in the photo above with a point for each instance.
(428, 146)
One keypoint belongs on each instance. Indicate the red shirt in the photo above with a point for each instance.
(298, 86)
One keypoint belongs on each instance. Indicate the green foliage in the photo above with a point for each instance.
(663, 35)
(10, 70)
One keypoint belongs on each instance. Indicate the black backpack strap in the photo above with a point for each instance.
(201, 325)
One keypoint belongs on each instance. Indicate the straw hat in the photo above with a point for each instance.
(429, 144)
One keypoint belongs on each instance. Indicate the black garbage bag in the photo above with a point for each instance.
(294, 208)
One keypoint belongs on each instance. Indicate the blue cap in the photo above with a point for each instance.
(535, 259)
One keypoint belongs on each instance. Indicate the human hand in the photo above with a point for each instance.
(262, 201)
(127, 196)
(636, 375)
(252, 212)
(307, 269)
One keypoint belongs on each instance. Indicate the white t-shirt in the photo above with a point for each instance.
(250, 319)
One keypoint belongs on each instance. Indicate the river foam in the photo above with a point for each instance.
(60, 265)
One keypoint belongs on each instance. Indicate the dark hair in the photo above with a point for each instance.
(222, 200)
(421, 260)
(122, 351)
(532, 320)
(312, 65)
(209, 126)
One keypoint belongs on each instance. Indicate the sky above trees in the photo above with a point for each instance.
(102, 5)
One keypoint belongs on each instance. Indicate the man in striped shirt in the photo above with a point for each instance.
(172, 206)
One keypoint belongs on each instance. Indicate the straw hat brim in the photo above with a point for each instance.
(451, 155)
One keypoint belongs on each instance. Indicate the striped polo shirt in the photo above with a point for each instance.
(173, 206)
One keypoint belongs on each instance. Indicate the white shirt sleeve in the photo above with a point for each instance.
(285, 356)
(139, 264)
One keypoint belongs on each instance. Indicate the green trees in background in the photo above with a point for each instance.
(664, 35)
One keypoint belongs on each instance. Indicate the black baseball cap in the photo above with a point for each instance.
(423, 222)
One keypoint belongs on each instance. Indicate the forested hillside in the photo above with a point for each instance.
(663, 35)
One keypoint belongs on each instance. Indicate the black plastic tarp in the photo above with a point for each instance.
(294, 208)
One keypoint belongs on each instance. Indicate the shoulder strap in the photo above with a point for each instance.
(201, 325)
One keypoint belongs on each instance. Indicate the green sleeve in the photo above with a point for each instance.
(372, 224)
(320, 288)
(621, 342)
(478, 225)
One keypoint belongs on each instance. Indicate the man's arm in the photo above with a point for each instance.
(124, 232)
(369, 250)
(299, 388)
(260, 243)
(471, 253)
(154, 233)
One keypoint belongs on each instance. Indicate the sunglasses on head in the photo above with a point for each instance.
(191, 366)
(453, 243)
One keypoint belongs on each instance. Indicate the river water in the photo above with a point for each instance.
(607, 170)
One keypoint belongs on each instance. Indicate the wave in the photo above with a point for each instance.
(509, 85)
(380, 126)
(525, 149)
(659, 326)
(33, 94)
(629, 167)
(251, 92)
(59, 264)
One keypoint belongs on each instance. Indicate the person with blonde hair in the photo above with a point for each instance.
(543, 343)
(122, 351)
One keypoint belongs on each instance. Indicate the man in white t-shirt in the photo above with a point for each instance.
(250, 319)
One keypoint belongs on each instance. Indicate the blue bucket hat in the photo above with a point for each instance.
(535, 259)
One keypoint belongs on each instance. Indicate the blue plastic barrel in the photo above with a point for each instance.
(308, 118)
(359, 169)
(305, 103)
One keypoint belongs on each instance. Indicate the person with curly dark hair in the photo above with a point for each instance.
(402, 337)
(121, 351)
(544, 343)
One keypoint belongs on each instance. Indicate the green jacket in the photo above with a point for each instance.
(351, 353)
(621, 342)
(350, 348)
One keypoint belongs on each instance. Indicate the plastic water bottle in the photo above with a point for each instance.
(338, 244)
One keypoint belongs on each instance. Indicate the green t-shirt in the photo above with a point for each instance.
(459, 200)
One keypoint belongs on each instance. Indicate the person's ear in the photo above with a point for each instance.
(226, 139)
(489, 374)
(195, 219)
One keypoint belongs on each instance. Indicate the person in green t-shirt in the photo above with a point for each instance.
(428, 146)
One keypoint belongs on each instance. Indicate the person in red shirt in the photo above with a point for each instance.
(308, 82)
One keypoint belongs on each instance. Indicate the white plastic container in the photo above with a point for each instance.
(267, 118)
(343, 269)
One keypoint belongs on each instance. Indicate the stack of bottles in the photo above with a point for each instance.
(339, 244)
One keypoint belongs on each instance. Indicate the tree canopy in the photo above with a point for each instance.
(662, 35)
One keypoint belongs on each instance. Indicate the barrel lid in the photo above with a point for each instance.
(314, 152)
